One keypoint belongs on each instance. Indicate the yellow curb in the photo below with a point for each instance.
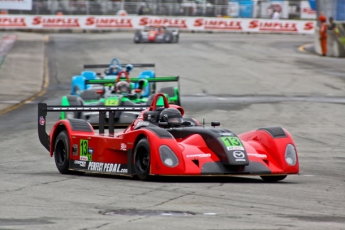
(40, 93)
(302, 48)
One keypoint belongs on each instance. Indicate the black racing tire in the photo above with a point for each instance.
(168, 38)
(273, 178)
(177, 38)
(61, 152)
(137, 38)
(142, 159)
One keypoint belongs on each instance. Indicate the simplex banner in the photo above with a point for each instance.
(137, 22)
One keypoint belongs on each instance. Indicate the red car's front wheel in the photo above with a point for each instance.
(142, 159)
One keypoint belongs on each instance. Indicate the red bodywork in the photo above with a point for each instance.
(261, 148)
(152, 33)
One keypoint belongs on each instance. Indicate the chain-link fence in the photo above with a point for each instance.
(293, 9)
(332, 8)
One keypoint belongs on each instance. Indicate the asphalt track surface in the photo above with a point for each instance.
(245, 82)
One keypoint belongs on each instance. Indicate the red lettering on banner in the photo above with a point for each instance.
(308, 11)
(57, 22)
(218, 24)
(12, 21)
(274, 26)
(198, 22)
(145, 21)
(109, 22)
(309, 26)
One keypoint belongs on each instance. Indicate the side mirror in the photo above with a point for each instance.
(215, 123)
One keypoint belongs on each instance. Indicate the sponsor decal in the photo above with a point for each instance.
(106, 167)
(146, 21)
(56, 22)
(80, 163)
(123, 147)
(109, 22)
(199, 155)
(226, 134)
(257, 155)
(141, 123)
(235, 148)
(12, 22)
(42, 121)
(83, 158)
(222, 24)
(85, 151)
(285, 26)
(239, 155)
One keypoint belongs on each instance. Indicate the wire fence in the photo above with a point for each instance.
(293, 9)
(332, 8)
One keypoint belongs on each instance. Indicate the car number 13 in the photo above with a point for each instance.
(231, 141)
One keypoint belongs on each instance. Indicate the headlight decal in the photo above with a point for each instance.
(168, 157)
(290, 155)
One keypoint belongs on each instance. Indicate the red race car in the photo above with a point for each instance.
(159, 34)
(163, 142)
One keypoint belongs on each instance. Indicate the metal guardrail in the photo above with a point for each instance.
(292, 9)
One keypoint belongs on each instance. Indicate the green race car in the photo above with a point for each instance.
(118, 92)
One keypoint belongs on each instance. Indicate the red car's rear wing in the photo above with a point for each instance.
(137, 65)
(43, 108)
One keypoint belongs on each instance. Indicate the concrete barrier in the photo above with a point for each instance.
(335, 47)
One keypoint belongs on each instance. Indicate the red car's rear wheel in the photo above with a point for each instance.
(61, 152)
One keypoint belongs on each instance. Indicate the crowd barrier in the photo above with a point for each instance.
(138, 22)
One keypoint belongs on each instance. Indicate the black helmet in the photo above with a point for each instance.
(172, 116)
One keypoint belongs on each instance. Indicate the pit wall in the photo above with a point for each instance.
(49, 22)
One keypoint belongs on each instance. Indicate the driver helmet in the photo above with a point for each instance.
(129, 68)
(172, 116)
(114, 69)
(122, 87)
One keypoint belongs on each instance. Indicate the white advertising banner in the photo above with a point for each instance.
(138, 22)
(16, 4)
(306, 11)
(233, 9)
